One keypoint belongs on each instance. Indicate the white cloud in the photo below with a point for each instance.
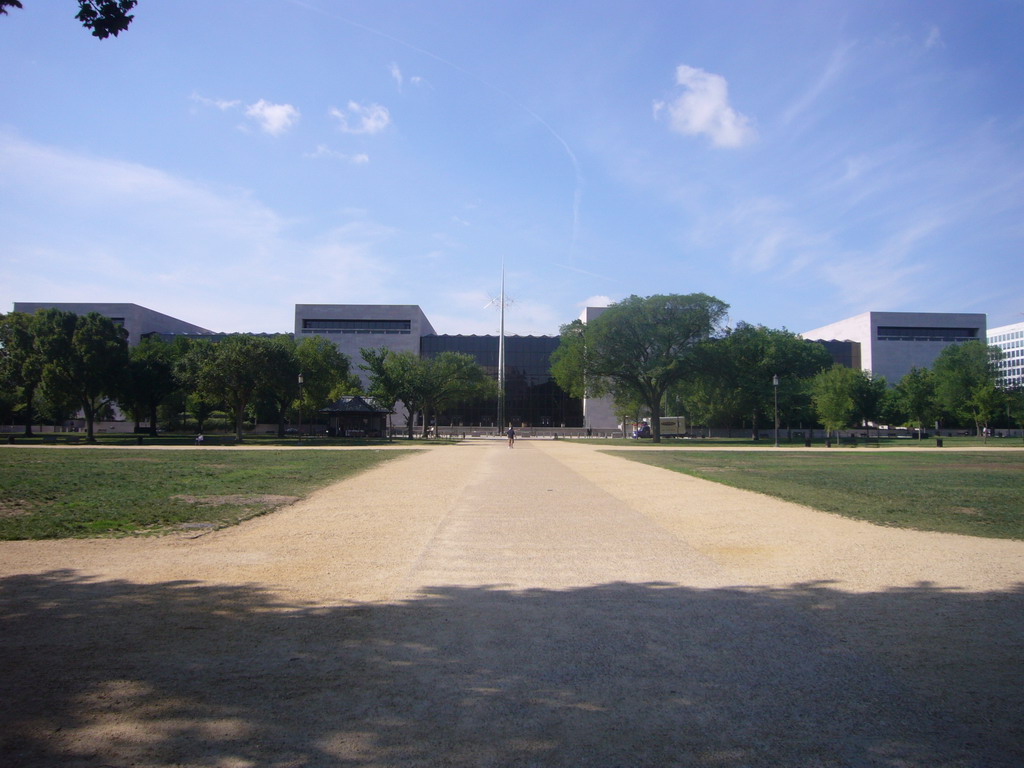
(596, 301)
(120, 231)
(370, 119)
(934, 39)
(323, 151)
(703, 108)
(274, 119)
(396, 74)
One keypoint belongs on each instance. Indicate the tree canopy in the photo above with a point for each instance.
(86, 356)
(102, 17)
(833, 393)
(640, 346)
(965, 381)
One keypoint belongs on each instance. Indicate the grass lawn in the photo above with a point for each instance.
(978, 494)
(60, 493)
(859, 443)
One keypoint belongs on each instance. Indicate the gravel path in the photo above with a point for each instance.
(543, 606)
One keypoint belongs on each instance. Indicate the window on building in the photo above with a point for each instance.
(897, 333)
(356, 326)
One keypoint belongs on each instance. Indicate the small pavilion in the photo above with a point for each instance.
(356, 416)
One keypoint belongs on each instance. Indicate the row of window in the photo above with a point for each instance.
(334, 330)
(896, 333)
(365, 326)
(1007, 337)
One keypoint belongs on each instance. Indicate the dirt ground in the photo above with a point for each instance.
(548, 605)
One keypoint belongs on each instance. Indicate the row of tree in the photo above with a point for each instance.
(63, 363)
(55, 363)
(962, 387)
(426, 386)
(673, 354)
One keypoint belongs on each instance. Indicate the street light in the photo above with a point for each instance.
(775, 383)
(300, 407)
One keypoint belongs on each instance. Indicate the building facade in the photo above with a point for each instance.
(1009, 339)
(352, 327)
(889, 344)
(532, 398)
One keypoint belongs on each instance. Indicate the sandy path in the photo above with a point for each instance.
(547, 605)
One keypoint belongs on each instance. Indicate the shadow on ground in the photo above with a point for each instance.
(112, 673)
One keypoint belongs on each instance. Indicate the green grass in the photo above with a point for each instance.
(60, 493)
(214, 439)
(977, 494)
(860, 444)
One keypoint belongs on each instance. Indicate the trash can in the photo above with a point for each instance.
(938, 442)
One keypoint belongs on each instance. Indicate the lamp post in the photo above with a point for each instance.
(775, 384)
(300, 407)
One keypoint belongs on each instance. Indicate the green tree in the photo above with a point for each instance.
(869, 398)
(450, 378)
(914, 399)
(1013, 401)
(192, 356)
(21, 361)
(643, 346)
(234, 373)
(86, 360)
(280, 386)
(102, 17)
(745, 362)
(324, 368)
(965, 381)
(832, 393)
(151, 379)
(397, 376)
(568, 361)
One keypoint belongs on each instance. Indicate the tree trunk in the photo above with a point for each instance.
(239, 413)
(30, 394)
(655, 406)
(90, 417)
(280, 420)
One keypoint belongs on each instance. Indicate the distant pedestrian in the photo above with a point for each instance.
(199, 439)
(511, 436)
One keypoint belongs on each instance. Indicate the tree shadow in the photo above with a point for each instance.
(114, 673)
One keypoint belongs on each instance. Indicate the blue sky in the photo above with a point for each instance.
(802, 161)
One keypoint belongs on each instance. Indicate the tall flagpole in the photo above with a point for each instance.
(501, 353)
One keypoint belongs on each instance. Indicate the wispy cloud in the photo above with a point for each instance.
(396, 74)
(121, 231)
(703, 108)
(222, 104)
(837, 63)
(934, 39)
(369, 119)
(274, 119)
(596, 301)
(324, 152)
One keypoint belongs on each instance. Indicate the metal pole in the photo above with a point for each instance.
(501, 354)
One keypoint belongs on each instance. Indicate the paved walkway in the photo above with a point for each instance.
(545, 605)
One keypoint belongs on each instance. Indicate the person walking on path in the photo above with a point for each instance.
(511, 435)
